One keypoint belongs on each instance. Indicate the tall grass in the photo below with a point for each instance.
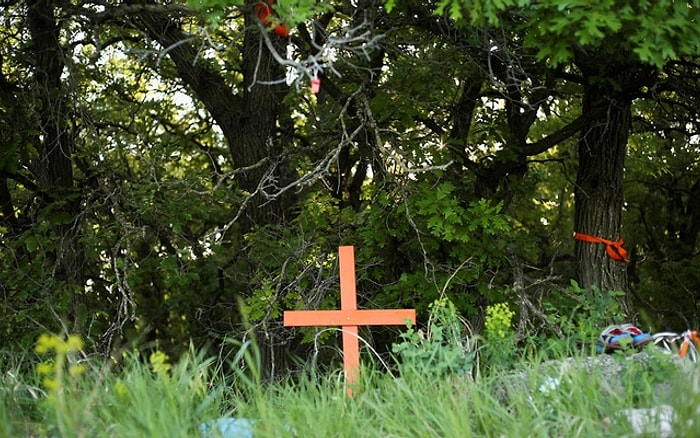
(534, 398)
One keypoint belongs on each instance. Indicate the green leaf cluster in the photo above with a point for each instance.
(478, 229)
(582, 313)
(444, 348)
(288, 12)
(434, 232)
(655, 31)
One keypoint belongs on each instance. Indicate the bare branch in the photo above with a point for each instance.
(357, 40)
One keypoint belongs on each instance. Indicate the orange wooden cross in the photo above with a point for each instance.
(349, 317)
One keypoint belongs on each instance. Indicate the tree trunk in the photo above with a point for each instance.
(54, 167)
(248, 118)
(599, 197)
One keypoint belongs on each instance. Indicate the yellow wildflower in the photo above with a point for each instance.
(159, 362)
(45, 368)
(120, 389)
(46, 343)
(50, 384)
(498, 319)
(76, 369)
(73, 344)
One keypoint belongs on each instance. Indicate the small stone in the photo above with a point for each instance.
(655, 421)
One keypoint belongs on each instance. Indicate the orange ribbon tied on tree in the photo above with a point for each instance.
(613, 248)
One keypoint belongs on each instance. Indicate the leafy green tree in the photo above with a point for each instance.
(607, 49)
(37, 122)
(661, 193)
(167, 174)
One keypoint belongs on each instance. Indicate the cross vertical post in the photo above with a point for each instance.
(348, 301)
(349, 317)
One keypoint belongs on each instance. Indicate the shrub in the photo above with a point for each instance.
(447, 346)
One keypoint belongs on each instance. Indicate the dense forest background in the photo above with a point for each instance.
(167, 176)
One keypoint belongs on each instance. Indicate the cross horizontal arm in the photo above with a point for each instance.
(305, 318)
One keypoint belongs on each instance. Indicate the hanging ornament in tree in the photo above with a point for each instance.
(315, 85)
(263, 10)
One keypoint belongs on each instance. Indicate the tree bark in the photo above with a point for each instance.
(599, 197)
(248, 117)
(54, 167)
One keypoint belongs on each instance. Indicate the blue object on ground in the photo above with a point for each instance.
(228, 427)
(612, 343)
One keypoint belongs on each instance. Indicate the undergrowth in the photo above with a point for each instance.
(60, 392)
(450, 382)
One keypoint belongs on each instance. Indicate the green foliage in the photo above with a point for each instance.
(63, 380)
(562, 398)
(289, 12)
(434, 228)
(446, 347)
(662, 218)
(26, 259)
(499, 318)
(308, 256)
(641, 376)
(499, 350)
(20, 392)
(152, 223)
(582, 313)
(656, 31)
(246, 365)
(448, 221)
(143, 399)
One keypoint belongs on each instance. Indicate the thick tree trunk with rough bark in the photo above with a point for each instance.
(248, 118)
(599, 197)
(54, 167)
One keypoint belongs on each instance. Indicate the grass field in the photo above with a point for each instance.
(69, 396)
